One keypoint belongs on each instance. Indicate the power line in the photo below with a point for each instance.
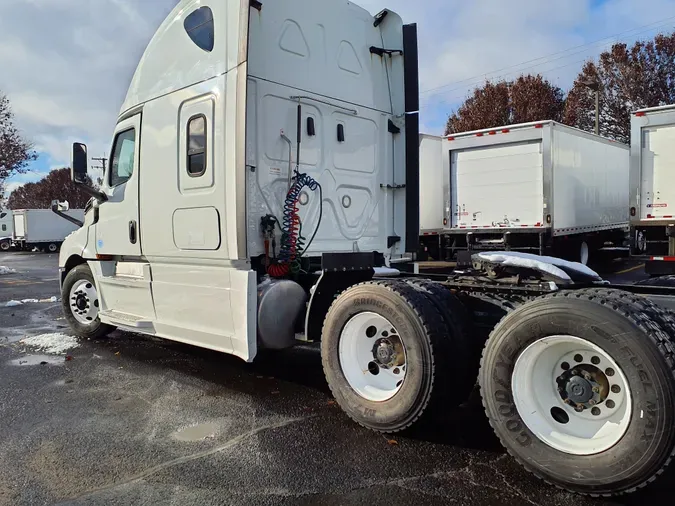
(642, 29)
(448, 100)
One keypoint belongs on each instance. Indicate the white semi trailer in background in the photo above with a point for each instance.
(264, 176)
(43, 229)
(6, 229)
(652, 182)
(539, 187)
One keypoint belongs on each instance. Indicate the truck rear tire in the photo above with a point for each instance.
(5, 245)
(81, 304)
(580, 389)
(464, 348)
(384, 346)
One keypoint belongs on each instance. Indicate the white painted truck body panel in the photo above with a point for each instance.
(188, 275)
(498, 185)
(590, 182)
(294, 48)
(6, 224)
(433, 199)
(653, 165)
(36, 226)
(540, 176)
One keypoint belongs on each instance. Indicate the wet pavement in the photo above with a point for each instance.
(138, 420)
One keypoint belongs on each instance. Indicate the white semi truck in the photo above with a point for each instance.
(42, 229)
(265, 178)
(6, 229)
(540, 187)
(652, 182)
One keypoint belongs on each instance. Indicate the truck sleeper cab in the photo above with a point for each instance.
(264, 176)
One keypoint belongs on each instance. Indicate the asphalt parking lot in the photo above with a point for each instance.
(138, 420)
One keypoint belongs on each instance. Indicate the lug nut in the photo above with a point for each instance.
(596, 390)
(588, 376)
(592, 402)
(579, 409)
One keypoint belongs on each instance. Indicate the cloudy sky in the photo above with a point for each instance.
(66, 64)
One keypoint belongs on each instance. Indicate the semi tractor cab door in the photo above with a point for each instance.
(117, 230)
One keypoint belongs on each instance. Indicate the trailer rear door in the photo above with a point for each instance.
(658, 172)
(19, 226)
(497, 186)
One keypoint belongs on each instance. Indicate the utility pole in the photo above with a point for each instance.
(595, 86)
(103, 161)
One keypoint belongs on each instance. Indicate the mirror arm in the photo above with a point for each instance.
(97, 194)
(74, 221)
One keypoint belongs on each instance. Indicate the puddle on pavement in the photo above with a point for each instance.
(195, 433)
(38, 360)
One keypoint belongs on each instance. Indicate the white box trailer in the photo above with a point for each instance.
(542, 187)
(42, 228)
(6, 229)
(652, 181)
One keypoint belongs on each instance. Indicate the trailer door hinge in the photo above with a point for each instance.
(380, 51)
(394, 128)
(392, 187)
(255, 4)
(392, 240)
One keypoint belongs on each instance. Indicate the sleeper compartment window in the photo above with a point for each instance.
(200, 28)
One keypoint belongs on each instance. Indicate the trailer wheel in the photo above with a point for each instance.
(580, 389)
(81, 304)
(5, 246)
(52, 247)
(383, 346)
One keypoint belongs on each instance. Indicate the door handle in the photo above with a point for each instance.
(132, 232)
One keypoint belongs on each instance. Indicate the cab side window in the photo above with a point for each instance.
(122, 163)
(196, 150)
(4, 228)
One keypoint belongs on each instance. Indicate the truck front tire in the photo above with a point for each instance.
(580, 389)
(384, 346)
(81, 304)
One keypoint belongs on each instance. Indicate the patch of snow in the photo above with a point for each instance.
(13, 303)
(50, 299)
(6, 270)
(550, 265)
(55, 344)
(29, 301)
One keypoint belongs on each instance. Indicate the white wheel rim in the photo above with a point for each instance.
(536, 382)
(84, 303)
(583, 253)
(52, 248)
(372, 357)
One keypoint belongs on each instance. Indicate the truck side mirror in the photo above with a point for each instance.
(78, 166)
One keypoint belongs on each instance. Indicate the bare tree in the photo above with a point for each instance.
(55, 186)
(15, 152)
